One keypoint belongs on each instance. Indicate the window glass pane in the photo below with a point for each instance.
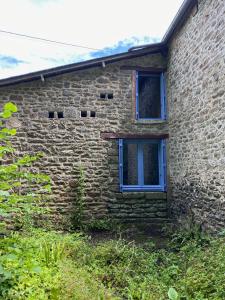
(151, 164)
(130, 166)
(149, 96)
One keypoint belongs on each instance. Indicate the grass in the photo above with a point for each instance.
(49, 265)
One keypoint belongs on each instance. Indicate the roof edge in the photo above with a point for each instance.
(102, 61)
(179, 19)
(141, 47)
(135, 51)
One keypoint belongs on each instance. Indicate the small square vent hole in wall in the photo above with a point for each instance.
(92, 114)
(51, 114)
(83, 113)
(60, 114)
(106, 96)
(102, 95)
(110, 96)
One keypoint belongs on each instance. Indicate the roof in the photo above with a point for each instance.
(133, 52)
(102, 61)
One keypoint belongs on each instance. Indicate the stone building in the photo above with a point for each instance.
(147, 125)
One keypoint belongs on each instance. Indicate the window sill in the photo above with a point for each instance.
(125, 188)
(150, 121)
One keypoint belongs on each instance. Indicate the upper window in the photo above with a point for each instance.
(150, 96)
(142, 165)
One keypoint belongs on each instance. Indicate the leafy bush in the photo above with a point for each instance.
(29, 270)
(24, 273)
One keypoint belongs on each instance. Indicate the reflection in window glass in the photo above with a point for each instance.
(149, 100)
(151, 164)
(130, 167)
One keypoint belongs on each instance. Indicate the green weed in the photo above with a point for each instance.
(50, 265)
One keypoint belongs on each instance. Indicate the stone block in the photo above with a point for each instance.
(155, 195)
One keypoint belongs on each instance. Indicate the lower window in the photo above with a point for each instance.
(142, 165)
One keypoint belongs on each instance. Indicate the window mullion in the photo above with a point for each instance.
(140, 164)
(121, 163)
(160, 160)
(137, 99)
(164, 163)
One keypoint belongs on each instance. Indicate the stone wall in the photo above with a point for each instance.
(196, 102)
(74, 140)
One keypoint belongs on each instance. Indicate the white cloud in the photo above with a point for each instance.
(97, 24)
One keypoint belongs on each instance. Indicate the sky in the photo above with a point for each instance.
(109, 26)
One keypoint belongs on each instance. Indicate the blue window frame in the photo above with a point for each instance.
(142, 165)
(150, 96)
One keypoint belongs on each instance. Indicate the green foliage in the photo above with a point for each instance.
(8, 109)
(50, 265)
(172, 294)
(190, 232)
(21, 191)
(40, 265)
(104, 224)
(77, 216)
(25, 272)
(52, 252)
(79, 284)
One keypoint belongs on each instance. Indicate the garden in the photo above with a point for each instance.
(38, 262)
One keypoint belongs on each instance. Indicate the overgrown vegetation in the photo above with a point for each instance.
(102, 225)
(50, 265)
(22, 192)
(40, 265)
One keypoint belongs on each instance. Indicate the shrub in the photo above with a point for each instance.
(24, 273)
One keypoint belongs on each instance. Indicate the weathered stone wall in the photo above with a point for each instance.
(75, 140)
(196, 102)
